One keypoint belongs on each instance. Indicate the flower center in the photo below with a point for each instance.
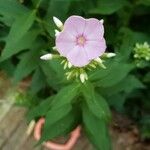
(81, 40)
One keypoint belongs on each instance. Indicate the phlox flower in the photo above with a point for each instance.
(81, 40)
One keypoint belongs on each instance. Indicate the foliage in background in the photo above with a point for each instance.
(27, 32)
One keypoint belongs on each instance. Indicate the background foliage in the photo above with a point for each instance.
(27, 32)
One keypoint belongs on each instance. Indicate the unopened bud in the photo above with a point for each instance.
(82, 77)
(54, 48)
(46, 57)
(98, 60)
(69, 65)
(58, 23)
(109, 55)
(102, 21)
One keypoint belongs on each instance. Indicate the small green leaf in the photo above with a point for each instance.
(96, 103)
(96, 130)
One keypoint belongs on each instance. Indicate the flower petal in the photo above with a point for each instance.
(64, 43)
(78, 57)
(95, 49)
(75, 25)
(94, 29)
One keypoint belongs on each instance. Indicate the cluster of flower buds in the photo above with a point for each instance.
(142, 53)
(73, 71)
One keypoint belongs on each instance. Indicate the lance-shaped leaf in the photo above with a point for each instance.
(96, 130)
(96, 103)
(19, 28)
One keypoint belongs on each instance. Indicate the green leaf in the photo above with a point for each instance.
(117, 102)
(40, 110)
(38, 81)
(96, 103)
(61, 127)
(57, 113)
(107, 7)
(11, 9)
(26, 65)
(54, 6)
(113, 74)
(66, 95)
(24, 43)
(8, 67)
(127, 85)
(96, 130)
(119, 72)
(17, 31)
(54, 73)
(21, 26)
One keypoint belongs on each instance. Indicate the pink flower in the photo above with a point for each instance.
(81, 40)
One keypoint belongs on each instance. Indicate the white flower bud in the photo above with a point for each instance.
(102, 21)
(109, 55)
(98, 60)
(86, 76)
(58, 23)
(69, 65)
(82, 77)
(103, 66)
(46, 57)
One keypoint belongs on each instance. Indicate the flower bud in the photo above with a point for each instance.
(109, 55)
(102, 21)
(82, 77)
(142, 52)
(98, 60)
(69, 65)
(46, 57)
(58, 23)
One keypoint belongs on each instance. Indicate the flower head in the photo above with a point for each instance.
(81, 40)
(142, 51)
